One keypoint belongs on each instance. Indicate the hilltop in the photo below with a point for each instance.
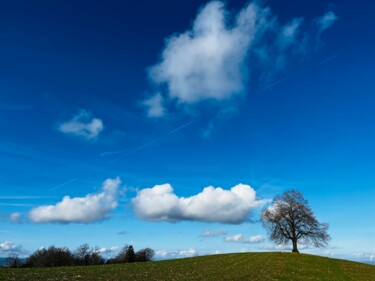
(243, 266)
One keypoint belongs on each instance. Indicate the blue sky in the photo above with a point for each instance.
(116, 117)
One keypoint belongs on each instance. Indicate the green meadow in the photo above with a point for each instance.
(243, 266)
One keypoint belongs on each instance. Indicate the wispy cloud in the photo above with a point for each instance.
(83, 125)
(88, 209)
(326, 21)
(154, 105)
(213, 233)
(233, 206)
(16, 218)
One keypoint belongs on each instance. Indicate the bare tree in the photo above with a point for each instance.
(13, 261)
(290, 218)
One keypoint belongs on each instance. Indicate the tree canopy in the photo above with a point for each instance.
(290, 219)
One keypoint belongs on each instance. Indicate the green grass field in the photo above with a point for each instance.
(246, 266)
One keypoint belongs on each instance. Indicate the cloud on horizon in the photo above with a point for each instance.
(83, 125)
(233, 206)
(91, 208)
(240, 238)
(213, 59)
(10, 248)
(176, 254)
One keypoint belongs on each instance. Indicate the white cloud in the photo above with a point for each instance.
(83, 125)
(207, 61)
(213, 233)
(212, 60)
(240, 238)
(176, 254)
(233, 206)
(326, 20)
(16, 217)
(91, 208)
(109, 252)
(9, 248)
(155, 106)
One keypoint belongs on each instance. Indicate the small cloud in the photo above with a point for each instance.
(16, 217)
(326, 20)
(233, 206)
(83, 125)
(123, 232)
(91, 208)
(176, 254)
(240, 238)
(155, 106)
(213, 233)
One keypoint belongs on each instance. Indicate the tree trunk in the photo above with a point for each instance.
(295, 250)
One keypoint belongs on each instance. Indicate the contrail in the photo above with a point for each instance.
(181, 127)
(128, 152)
(62, 184)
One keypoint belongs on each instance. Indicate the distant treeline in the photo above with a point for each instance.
(84, 255)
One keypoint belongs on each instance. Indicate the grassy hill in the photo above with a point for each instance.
(246, 266)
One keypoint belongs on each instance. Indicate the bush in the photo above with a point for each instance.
(50, 257)
(127, 255)
(144, 255)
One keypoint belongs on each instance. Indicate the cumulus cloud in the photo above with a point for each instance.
(9, 248)
(82, 125)
(240, 238)
(207, 61)
(214, 59)
(213, 233)
(91, 208)
(175, 254)
(233, 206)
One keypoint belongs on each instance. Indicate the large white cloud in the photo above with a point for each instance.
(240, 238)
(233, 206)
(91, 208)
(207, 61)
(211, 61)
(83, 125)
